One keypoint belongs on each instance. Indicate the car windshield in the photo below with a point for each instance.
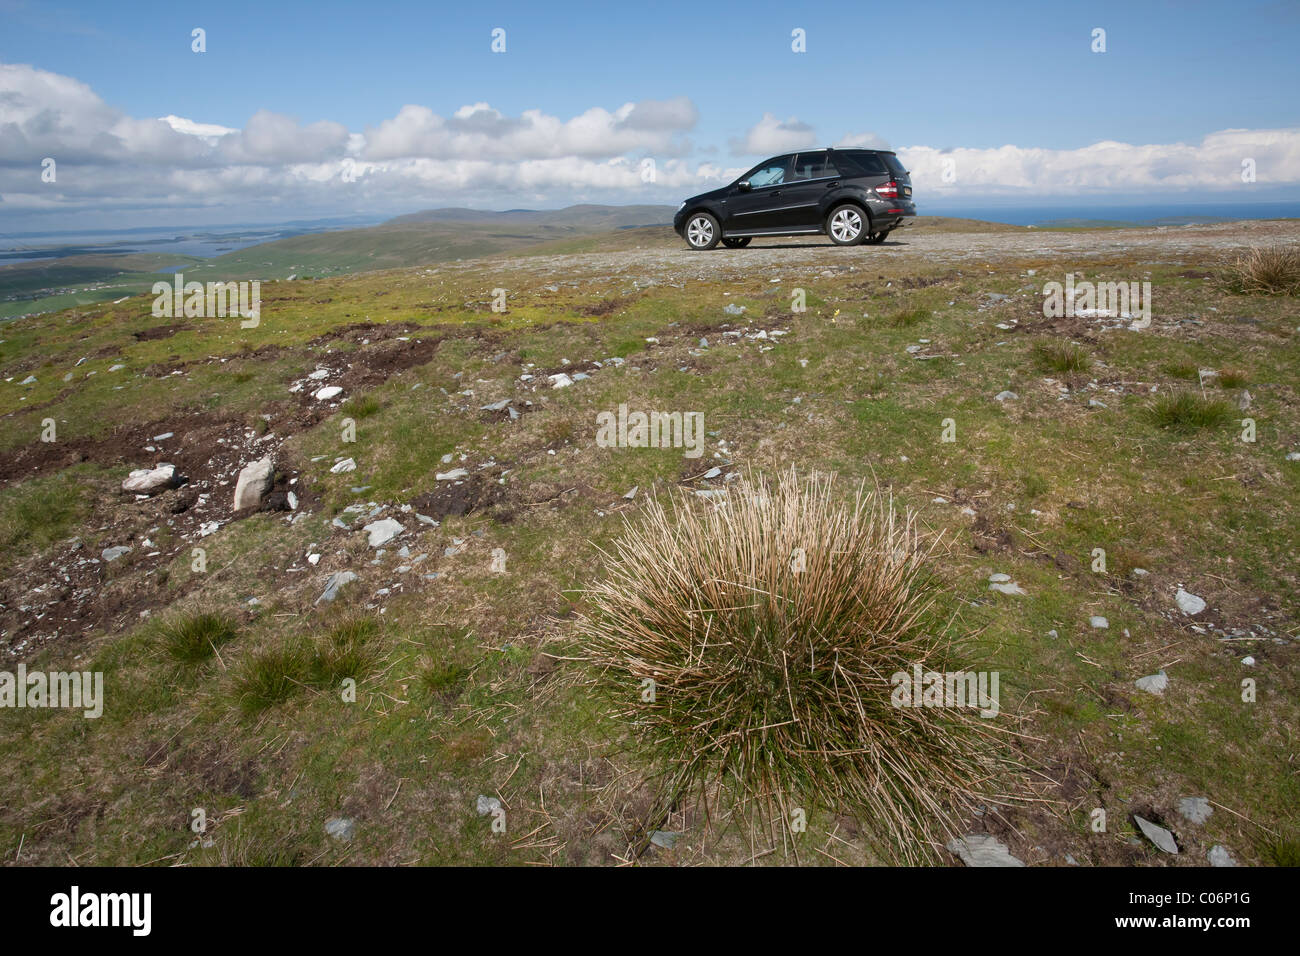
(769, 174)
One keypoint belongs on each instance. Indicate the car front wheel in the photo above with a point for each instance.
(738, 242)
(846, 225)
(702, 231)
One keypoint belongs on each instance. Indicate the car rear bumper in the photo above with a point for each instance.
(892, 214)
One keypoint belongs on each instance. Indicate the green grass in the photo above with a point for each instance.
(1187, 412)
(191, 639)
(1062, 357)
(271, 677)
(466, 683)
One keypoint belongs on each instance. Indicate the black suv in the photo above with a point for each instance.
(851, 195)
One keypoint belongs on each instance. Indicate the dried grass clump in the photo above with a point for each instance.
(1273, 270)
(772, 686)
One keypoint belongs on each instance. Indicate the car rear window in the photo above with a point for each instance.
(868, 164)
(895, 167)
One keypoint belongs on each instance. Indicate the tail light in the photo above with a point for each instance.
(888, 190)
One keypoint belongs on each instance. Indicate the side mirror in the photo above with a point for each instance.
(743, 185)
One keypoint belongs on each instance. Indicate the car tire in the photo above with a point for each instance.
(738, 242)
(876, 238)
(847, 225)
(702, 231)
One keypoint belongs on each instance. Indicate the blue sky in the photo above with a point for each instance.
(931, 77)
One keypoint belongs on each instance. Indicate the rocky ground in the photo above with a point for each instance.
(464, 513)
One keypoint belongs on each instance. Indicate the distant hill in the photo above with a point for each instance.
(586, 217)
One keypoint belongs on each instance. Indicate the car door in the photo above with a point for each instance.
(811, 175)
(757, 208)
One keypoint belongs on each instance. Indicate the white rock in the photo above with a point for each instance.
(561, 380)
(1153, 683)
(1007, 587)
(999, 578)
(485, 805)
(1195, 809)
(145, 481)
(1099, 622)
(452, 475)
(1219, 856)
(313, 559)
(383, 531)
(1189, 603)
(1248, 661)
(347, 464)
(328, 392)
(254, 482)
(1005, 396)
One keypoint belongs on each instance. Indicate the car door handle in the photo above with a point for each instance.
(775, 193)
(830, 185)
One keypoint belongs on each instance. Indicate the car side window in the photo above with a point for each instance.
(768, 175)
(812, 166)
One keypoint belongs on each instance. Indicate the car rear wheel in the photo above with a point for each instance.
(738, 242)
(876, 238)
(846, 225)
(702, 231)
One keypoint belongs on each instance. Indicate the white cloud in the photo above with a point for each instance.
(771, 135)
(1213, 164)
(479, 132)
(477, 155)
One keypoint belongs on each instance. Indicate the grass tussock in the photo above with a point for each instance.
(909, 317)
(1187, 412)
(772, 666)
(1272, 270)
(347, 650)
(1233, 378)
(361, 406)
(1063, 357)
(271, 677)
(190, 639)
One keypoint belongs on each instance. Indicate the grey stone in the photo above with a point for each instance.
(340, 828)
(1005, 396)
(1219, 856)
(1189, 603)
(453, 475)
(336, 581)
(1153, 684)
(347, 464)
(328, 392)
(253, 483)
(485, 805)
(1099, 622)
(1195, 809)
(1007, 587)
(980, 849)
(665, 838)
(381, 532)
(112, 554)
(146, 481)
(1157, 834)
